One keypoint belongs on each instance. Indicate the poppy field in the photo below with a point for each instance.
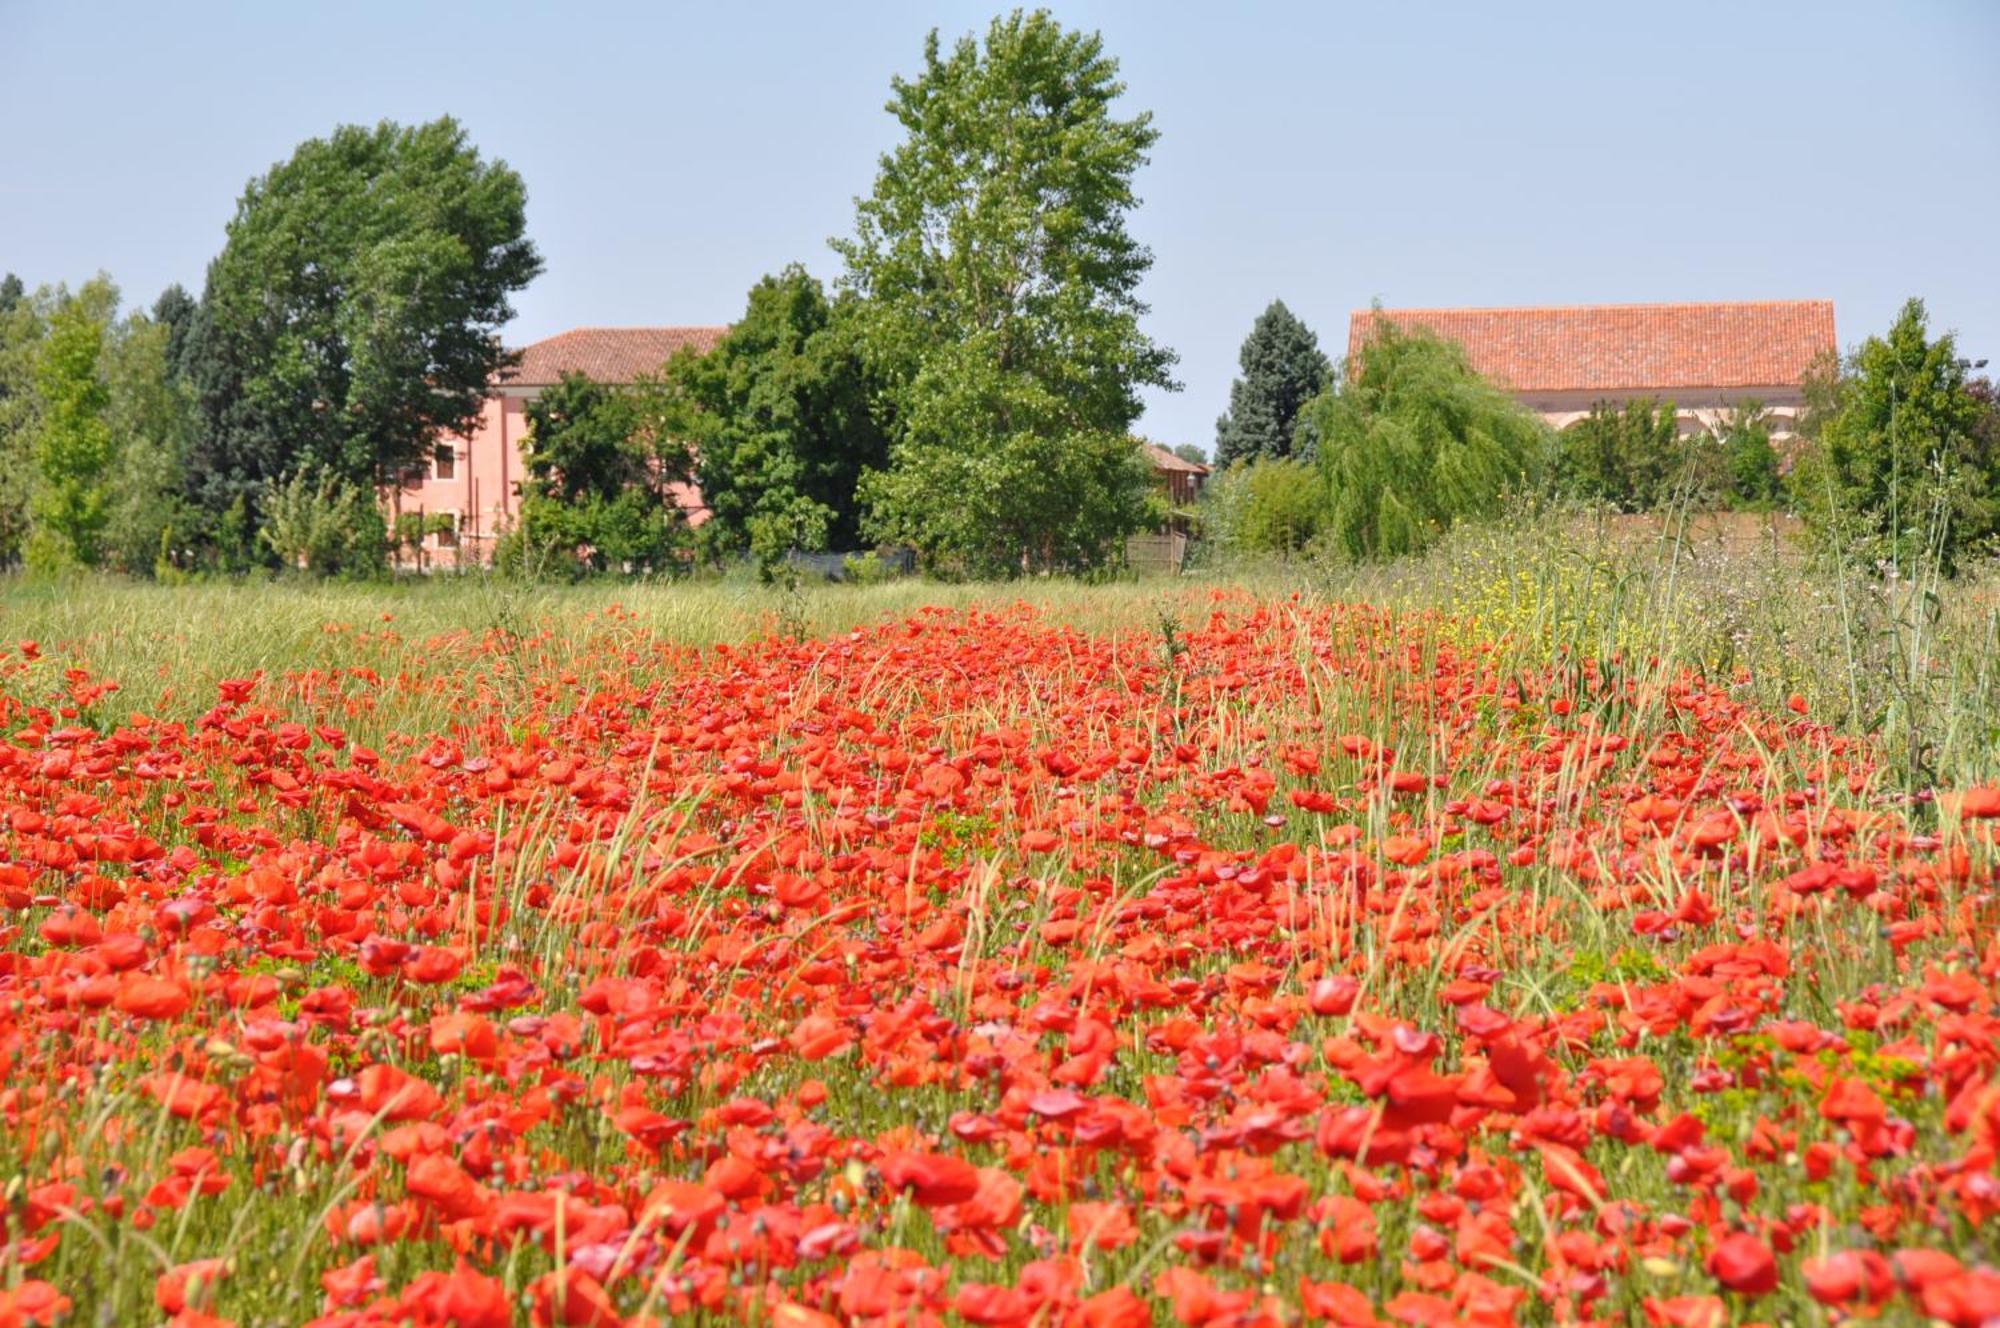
(1275, 962)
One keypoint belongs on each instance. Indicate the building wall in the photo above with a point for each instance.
(475, 479)
(1698, 409)
(479, 487)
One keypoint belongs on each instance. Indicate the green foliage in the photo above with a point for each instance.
(1415, 441)
(318, 523)
(782, 423)
(411, 529)
(354, 311)
(151, 413)
(69, 503)
(21, 331)
(601, 462)
(1635, 458)
(1032, 499)
(11, 293)
(1897, 469)
(176, 310)
(1631, 458)
(866, 569)
(1283, 371)
(1750, 461)
(1276, 506)
(1000, 308)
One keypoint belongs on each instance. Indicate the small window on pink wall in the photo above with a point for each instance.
(445, 464)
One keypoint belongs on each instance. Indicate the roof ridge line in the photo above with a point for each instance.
(1570, 308)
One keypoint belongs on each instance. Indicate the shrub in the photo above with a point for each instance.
(1266, 507)
(1750, 462)
(319, 524)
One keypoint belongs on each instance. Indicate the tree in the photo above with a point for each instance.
(1629, 457)
(322, 525)
(151, 413)
(1750, 461)
(601, 465)
(1895, 469)
(11, 293)
(175, 311)
(21, 330)
(1190, 452)
(70, 502)
(354, 311)
(1283, 371)
(73, 443)
(1271, 506)
(999, 290)
(1417, 440)
(782, 423)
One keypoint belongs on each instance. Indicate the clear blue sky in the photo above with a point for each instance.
(1461, 154)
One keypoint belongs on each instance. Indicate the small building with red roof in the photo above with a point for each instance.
(1560, 361)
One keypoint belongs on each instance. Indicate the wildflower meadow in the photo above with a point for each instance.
(1203, 954)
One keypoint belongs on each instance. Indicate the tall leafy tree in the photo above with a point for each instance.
(21, 329)
(1000, 304)
(1283, 371)
(602, 462)
(151, 413)
(175, 312)
(782, 423)
(70, 501)
(1415, 441)
(11, 292)
(354, 311)
(1896, 468)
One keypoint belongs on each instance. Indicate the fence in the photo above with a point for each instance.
(833, 566)
(1160, 551)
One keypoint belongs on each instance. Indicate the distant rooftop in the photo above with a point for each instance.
(1626, 347)
(1162, 459)
(607, 354)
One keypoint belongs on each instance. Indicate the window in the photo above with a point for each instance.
(445, 464)
(447, 527)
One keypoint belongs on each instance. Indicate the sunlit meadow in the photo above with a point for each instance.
(1559, 928)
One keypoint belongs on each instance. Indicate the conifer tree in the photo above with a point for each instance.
(1283, 370)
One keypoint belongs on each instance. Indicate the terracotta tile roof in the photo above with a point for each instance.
(607, 354)
(1627, 347)
(1162, 459)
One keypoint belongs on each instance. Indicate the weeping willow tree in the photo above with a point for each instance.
(1415, 440)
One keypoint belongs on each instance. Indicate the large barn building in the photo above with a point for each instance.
(1705, 358)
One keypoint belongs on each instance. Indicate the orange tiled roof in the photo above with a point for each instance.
(1164, 460)
(1627, 347)
(607, 354)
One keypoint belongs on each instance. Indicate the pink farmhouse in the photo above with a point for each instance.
(470, 492)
